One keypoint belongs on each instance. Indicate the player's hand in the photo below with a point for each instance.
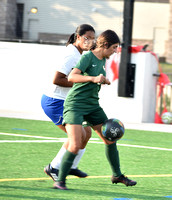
(101, 80)
(107, 81)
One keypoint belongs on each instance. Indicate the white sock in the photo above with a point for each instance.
(57, 160)
(78, 158)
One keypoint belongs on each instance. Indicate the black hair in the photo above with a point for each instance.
(81, 30)
(107, 38)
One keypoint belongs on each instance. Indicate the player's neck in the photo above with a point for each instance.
(98, 53)
(78, 48)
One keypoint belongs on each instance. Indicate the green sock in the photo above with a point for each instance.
(65, 165)
(113, 158)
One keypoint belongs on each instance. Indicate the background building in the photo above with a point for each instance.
(52, 21)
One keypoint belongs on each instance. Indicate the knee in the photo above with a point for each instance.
(88, 132)
(74, 148)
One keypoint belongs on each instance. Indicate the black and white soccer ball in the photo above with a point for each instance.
(167, 118)
(113, 129)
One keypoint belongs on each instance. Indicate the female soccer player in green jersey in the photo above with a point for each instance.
(82, 104)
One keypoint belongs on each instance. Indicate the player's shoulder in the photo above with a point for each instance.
(87, 54)
(72, 50)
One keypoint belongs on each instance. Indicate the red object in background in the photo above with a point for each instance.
(114, 68)
(162, 81)
(136, 49)
(133, 49)
(158, 119)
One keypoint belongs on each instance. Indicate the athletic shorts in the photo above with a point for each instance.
(53, 108)
(93, 117)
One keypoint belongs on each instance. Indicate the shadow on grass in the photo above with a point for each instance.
(84, 194)
(7, 196)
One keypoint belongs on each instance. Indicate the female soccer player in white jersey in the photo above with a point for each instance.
(52, 104)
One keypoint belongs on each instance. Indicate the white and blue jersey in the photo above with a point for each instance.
(53, 99)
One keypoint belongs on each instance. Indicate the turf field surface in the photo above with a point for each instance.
(29, 145)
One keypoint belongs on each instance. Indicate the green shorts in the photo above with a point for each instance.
(93, 117)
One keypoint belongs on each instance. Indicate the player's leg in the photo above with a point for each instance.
(112, 156)
(76, 135)
(53, 108)
(55, 164)
(74, 169)
(111, 152)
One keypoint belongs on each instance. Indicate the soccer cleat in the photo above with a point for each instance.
(53, 173)
(77, 172)
(123, 179)
(60, 185)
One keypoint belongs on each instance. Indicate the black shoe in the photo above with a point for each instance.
(53, 173)
(123, 179)
(60, 185)
(77, 172)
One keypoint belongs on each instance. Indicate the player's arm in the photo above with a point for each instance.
(76, 77)
(61, 80)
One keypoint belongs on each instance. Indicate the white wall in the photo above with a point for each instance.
(27, 70)
(141, 108)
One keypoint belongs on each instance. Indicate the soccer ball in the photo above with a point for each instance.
(113, 129)
(167, 118)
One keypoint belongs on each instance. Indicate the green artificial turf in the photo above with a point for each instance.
(20, 161)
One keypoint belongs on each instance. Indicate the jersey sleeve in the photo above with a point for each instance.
(69, 62)
(84, 62)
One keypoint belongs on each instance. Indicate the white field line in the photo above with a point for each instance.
(145, 147)
(40, 137)
(64, 139)
(33, 141)
(31, 136)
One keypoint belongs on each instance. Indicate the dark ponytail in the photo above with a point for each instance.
(71, 39)
(81, 30)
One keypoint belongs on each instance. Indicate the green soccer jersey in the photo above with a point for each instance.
(85, 95)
